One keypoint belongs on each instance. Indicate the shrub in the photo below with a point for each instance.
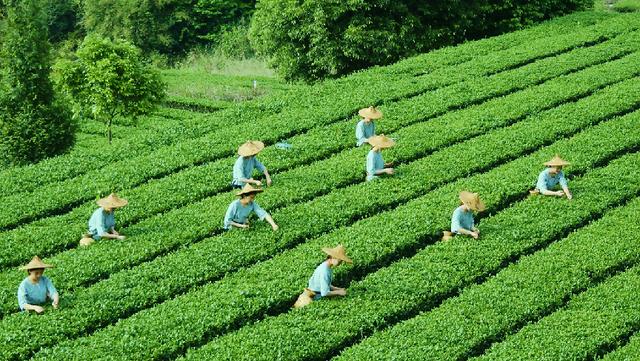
(34, 124)
(319, 38)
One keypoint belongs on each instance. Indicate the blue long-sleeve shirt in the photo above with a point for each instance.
(546, 181)
(243, 168)
(364, 131)
(101, 222)
(461, 219)
(35, 294)
(238, 213)
(320, 281)
(374, 164)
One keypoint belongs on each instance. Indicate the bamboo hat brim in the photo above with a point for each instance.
(250, 148)
(556, 161)
(370, 112)
(35, 263)
(381, 141)
(472, 200)
(248, 189)
(337, 252)
(112, 201)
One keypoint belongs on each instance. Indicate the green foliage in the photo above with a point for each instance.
(170, 27)
(410, 285)
(109, 80)
(34, 124)
(371, 87)
(356, 201)
(627, 6)
(316, 39)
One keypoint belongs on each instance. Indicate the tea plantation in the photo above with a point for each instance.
(549, 278)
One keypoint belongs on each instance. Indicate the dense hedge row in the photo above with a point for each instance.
(279, 278)
(406, 287)
(355, 202)
(590, 325)
(530, 289)
(213, 178)
(359, 90)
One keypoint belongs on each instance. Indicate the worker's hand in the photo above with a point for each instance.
(569, 196)
(55, 305)
(275, 227)
(269, 182)
(115, 232)
(476, 230)
(475, 235)
(245, 226)
(389, 171)
(388, 165)
(122, 238)
(341, 292)
(38, 309)
(559, 193)
(258, 183)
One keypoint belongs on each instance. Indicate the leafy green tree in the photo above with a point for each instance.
(314, 39)
(34, 124)
(108, 80)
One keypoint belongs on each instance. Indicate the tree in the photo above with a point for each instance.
(108, 80)
(314, 39)
(34, 123)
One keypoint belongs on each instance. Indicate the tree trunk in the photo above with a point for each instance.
(109, 130)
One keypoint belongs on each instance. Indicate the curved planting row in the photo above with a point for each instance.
(119, 296)
(271, 285)
(419, 283)
(524, 292)
(311, 180)
(131, 172)
(205, 180)
(629, 351)
(590, 325)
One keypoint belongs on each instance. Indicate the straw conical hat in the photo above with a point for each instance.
(250, 148)
(472, 200)
(248, 188)
(381, 141)
(112, 201)
(370, 112)
(35, 263)
(338, 252)
(556, 161)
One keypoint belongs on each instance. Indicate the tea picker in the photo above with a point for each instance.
(320, 282)
(549, 178)
(35, 290)
(366, 128)
(462, 219)
(375, 163)
(246, 163)
(102, 222)
(239, 210)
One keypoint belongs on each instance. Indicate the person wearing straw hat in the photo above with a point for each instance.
(366, 128)
(246, 163)
(375, 164)
(103, 222)
(36, 289)
(551, 177)
(320, 282)
(239, 210)
(462, 219)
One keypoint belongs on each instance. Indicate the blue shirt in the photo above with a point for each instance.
(239, 213)
(101, 222)
(320, 281)
(37, 294)
(364, 131)
(547, 181)
(243, 168)
(461, 219)
(374, 164)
